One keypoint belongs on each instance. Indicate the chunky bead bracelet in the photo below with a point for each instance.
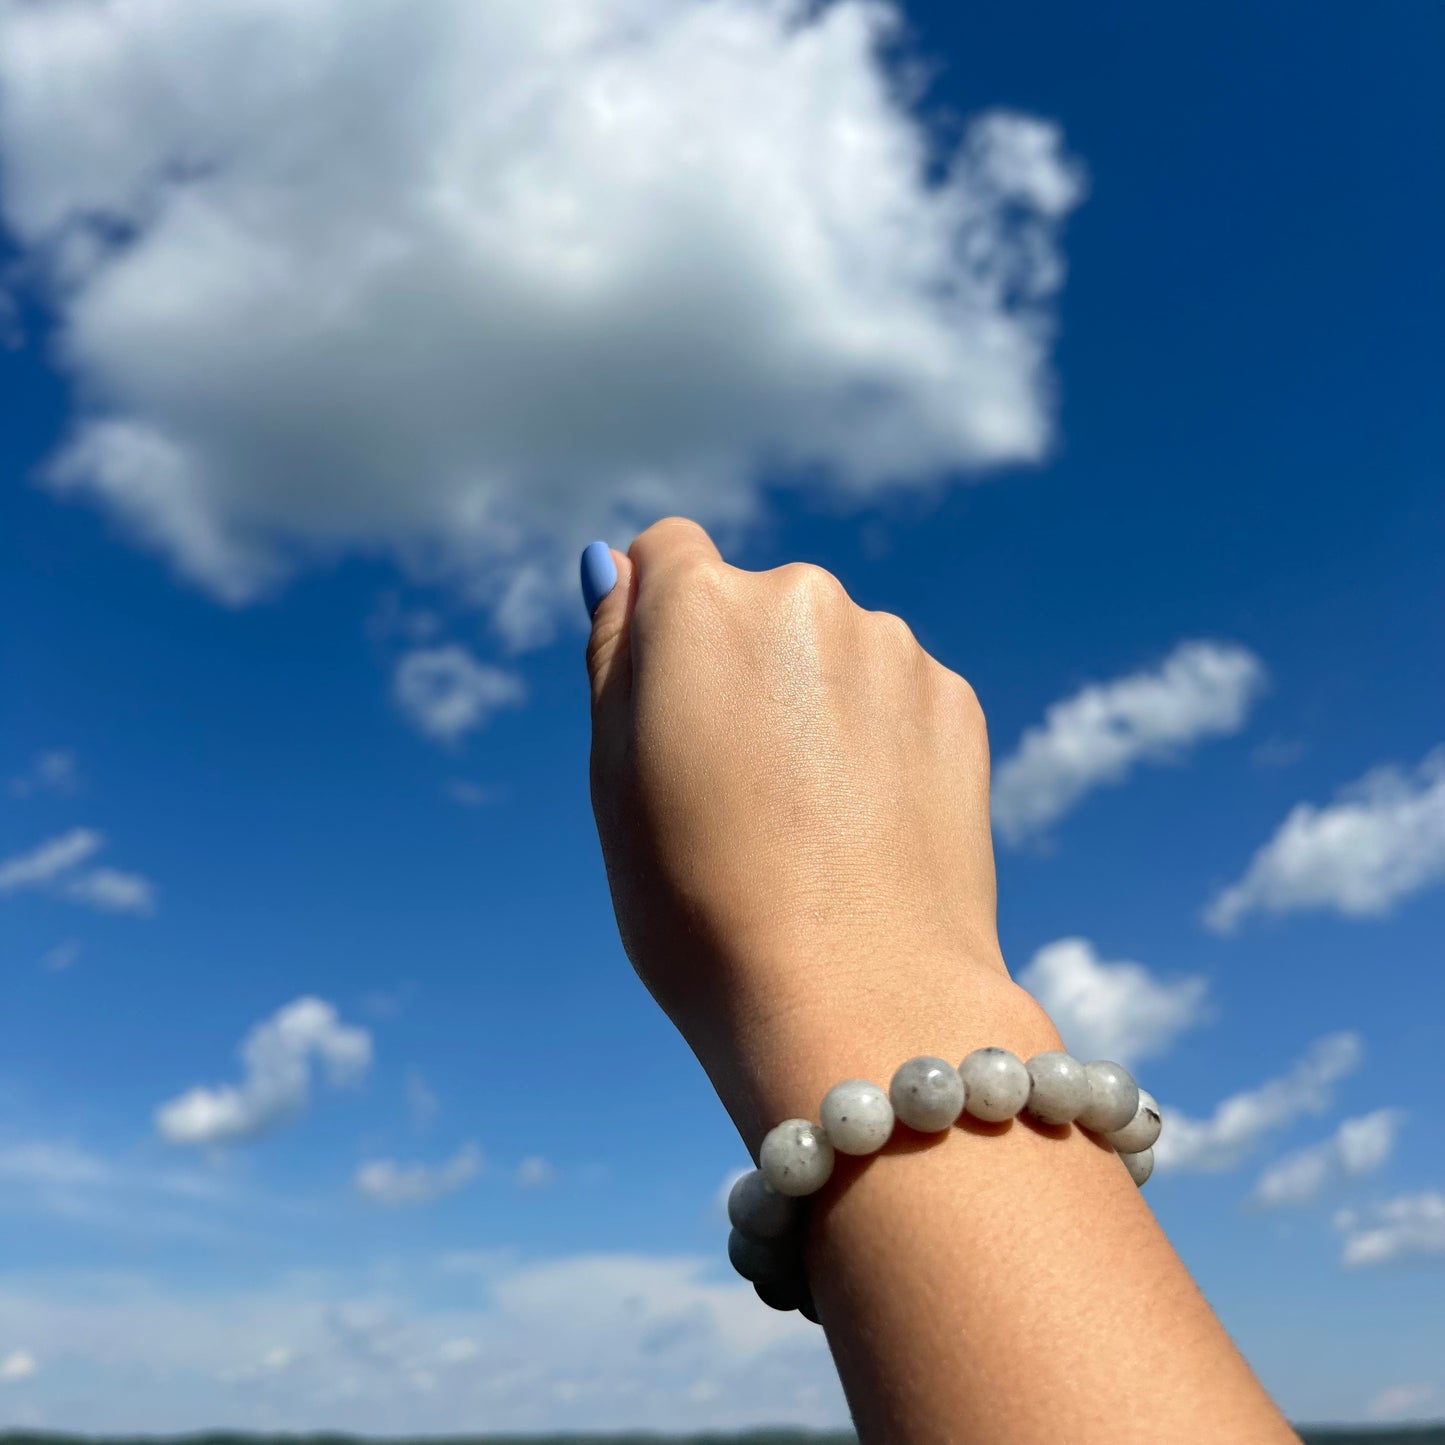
(766, 1205)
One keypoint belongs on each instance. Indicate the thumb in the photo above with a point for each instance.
(609, 588)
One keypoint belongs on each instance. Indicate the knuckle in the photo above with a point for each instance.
(670, 528)
(812, 583)
(891, 626)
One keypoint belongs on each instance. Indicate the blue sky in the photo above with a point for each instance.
(308, 403)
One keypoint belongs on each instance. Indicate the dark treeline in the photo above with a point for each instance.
(1312, 1435)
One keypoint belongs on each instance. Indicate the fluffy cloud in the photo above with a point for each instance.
(1408, 1226)
(1097, 736)
(469, 284)
(277, 1056)
(16, 1366)
(1234, 1129)
(52, 866)
(384, 1181)
(1357, 1147)
(586, 1343)
(1116, 1010)
(447, 693)
(1381, 839)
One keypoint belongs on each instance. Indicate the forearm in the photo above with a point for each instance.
(1002, 1283)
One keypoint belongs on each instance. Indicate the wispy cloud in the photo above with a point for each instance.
(53, 771)
(49, 860)
(1410, 1226)
(536, 1173)
(1400, 1402)
(1357, 1147)
(277, 1056)
(1242, 1121)
(1382, 839)
(1112, 1010)
(54, 867)
(447, 693)
(384, 1181)
(1100, 734)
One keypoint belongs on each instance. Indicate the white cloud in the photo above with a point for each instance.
(49, 861)
(49, 1162)
(1357, 1147)
(386, 1182)
(470, 284)
(536, 1173)
(54, 771)
(1382, 839)
(51, 867)
(447, 693)
(1117, 1010)
(1399, 1402)
(277, 1055)
(1201, 690)
(1239, 1124)
(62, 956)
(421, 1101)
(583, 1343)
(113, 891)
(16, 1366)
(1408, 1226)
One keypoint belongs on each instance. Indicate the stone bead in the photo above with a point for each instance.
(1141, 1131)
(1113, 1097)
(1058, 1087)
(927, 1094)
(765, 1260)
(796, 1157)
(756, 1208)
(995, 1084)
(788, 1292)
(857, 1117)
(1140, 1165)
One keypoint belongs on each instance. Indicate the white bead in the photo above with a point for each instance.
(756, 1208)
(1140, 1165)
(762, 1259)
(995, 1083)
(857, 1117)
(927, 1094)
(796, 1157)
(1058, 1087)
(1113, 1097)
(1141, 1131)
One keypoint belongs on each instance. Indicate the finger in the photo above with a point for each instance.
(609, 586)
(671, 545)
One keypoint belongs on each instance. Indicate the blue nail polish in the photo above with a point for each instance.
(599, 574)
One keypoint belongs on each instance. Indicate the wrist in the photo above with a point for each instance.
(782, 1057)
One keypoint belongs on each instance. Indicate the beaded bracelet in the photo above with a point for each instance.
(765, 1206)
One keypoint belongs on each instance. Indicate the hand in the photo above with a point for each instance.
(792, 799)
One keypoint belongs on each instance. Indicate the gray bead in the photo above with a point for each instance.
(1141, 1131)
(1140, 1165)
(1058, 1087)
(796, 1157)
(1113, 1097)
(788, 1292)
(927, 1094)
(756, 1208)
(995, 1083)
(857, 1117)
(766, 1260)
